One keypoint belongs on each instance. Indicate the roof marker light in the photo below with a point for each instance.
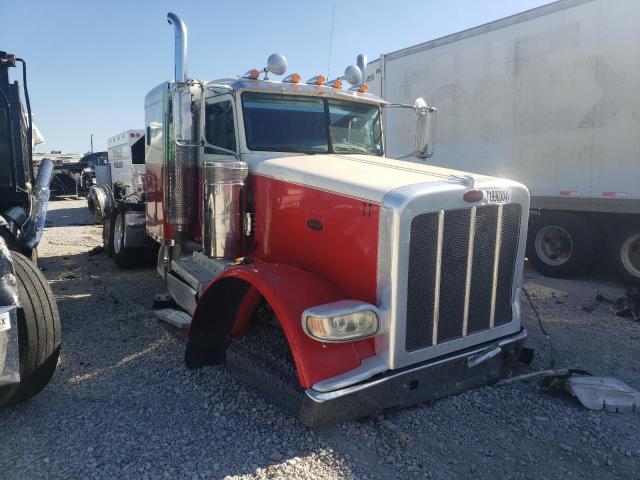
(252, 74)
(317, 80)
(336, 83)
(293, 78)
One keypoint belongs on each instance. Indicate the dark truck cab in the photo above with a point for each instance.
(29, 320)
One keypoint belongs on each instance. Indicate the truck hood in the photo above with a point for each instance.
(365, 177)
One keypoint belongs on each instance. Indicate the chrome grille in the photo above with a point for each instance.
(460, 276)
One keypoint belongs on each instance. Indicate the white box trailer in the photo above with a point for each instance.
(551, 98)
(126, 163)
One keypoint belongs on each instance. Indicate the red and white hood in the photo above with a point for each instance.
(365, 177)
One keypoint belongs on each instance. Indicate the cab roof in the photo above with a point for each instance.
(273, 86)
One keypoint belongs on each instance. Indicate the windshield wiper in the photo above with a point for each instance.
(277, 148)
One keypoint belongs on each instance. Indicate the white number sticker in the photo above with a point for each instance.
(498, 196)
(5, 321)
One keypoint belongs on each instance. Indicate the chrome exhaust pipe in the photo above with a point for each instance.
(34, 227)
(179, 196)
(181, 39)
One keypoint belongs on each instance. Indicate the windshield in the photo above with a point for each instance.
(287, 123)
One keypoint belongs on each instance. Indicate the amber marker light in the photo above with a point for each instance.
(317, 80)
(252, 74)
(364, 88)
(293, 78)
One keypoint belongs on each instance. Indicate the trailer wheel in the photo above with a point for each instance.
(626, 254)
(123, 256)
(38, 333)
(561, 245)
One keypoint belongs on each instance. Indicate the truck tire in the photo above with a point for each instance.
(124, 257)
(561, 245)
(107, 235)
(38, 333)
(625, 254)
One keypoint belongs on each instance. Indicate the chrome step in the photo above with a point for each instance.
(177, 318)
(192, 273)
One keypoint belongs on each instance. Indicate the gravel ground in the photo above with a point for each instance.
(122, 404)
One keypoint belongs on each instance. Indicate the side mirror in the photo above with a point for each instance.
(425, 129)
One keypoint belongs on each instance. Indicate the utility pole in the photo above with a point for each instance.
(92, 143)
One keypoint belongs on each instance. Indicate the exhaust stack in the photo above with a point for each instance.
(181, 40)
(179, 196)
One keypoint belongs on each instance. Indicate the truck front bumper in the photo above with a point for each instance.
(480, 365)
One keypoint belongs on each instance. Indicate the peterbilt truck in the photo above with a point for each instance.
(29, 320)
(392, 283)
(548, 97)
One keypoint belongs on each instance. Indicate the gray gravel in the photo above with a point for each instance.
(122, 404)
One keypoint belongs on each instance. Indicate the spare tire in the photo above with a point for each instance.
(38, 333)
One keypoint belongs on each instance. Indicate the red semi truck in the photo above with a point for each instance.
(393, 283)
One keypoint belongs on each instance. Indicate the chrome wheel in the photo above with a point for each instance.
(553, 245)
(630, 254)
(118, 233)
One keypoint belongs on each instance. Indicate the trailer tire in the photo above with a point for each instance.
(38, 333)
(561, 244)
(125, 257)
(625, 254)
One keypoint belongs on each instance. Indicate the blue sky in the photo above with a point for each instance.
(91, 62)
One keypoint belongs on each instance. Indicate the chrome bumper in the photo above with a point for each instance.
(480, 365)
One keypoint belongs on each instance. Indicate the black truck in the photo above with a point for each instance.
(29, 319)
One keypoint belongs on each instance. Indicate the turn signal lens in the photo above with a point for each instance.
(252, 74)
(473, 196)
(342, 321)
(293, 78)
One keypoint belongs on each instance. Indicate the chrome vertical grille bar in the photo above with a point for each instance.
(467, 290)
(436, 294)
(496, 262)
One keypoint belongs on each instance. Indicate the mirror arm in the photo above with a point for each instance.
(428, 109)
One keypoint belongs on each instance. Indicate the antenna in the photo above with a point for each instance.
(333, 17)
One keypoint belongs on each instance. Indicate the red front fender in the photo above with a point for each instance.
(227, 303)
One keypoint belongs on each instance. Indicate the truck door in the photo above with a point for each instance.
(219, 130)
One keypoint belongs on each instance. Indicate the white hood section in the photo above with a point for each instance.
(360, 176)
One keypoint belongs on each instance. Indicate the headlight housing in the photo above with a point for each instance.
(342, 321)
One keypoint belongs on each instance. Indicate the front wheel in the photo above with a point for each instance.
(38, 333)
(561, 244)
(625, 254)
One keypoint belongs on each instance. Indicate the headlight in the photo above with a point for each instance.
(341, 321)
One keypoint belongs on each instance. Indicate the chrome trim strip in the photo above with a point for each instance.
(494, 283)
(467, 288)
(436, 293)
(368, 368)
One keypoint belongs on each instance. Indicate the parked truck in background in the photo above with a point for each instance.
(551, 98)
(119, 197)
(29, 321)
(392, 283)
(124, 170)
